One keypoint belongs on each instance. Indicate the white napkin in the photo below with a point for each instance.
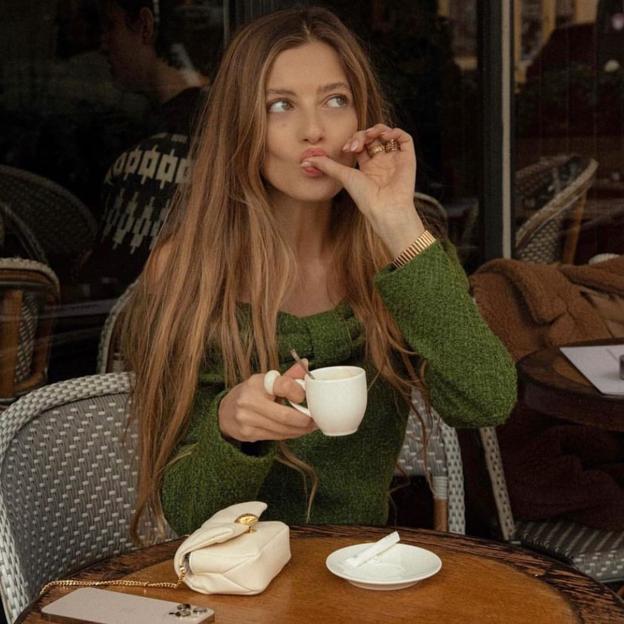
(374, 549)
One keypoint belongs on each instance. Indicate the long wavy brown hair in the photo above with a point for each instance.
(221, 241)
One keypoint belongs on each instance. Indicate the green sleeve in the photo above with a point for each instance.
(207, 472)
(470, 375)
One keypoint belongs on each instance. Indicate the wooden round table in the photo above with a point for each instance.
(550, 384)
(480, 582)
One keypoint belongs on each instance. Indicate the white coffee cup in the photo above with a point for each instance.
(336, 398)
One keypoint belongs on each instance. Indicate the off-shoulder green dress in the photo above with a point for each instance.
(470, 376)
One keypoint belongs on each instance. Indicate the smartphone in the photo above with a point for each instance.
(100, 606)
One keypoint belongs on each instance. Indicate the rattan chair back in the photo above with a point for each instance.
(432, 213)
(597, 553)
(109, 358)
(68, 472)
(431, 447)
(29, 295)
(36, 208)
(551, 200)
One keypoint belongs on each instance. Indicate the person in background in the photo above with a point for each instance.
(145, 56)
(138, 187)
(297, 230)
(137, 41)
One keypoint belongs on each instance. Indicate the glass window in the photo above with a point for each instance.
(426, 56)
(97, 101)
(569, 157)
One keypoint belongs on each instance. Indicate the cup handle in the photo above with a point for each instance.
(303, 410)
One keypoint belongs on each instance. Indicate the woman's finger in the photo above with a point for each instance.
(297, 371)
(281, 414)
(273, 430)
(403, 138)
(255, 434)
(286, 387)
(362, 138)
(347, 176)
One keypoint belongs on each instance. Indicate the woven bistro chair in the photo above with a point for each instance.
(597, 553)
(444, 464)
(18, 238)
(551, 197)
(432, 213)
(62, 226)
(68, 469)
(29, 295)
(109, 352)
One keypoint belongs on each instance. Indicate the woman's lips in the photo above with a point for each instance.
(312, 151)
(312, 172)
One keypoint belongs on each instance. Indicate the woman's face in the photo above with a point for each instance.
(310, 111)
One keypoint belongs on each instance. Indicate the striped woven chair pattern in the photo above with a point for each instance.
(444, 464)
(597, 553)
(62, 227)
(553, 192)
(29, 294)
(67, 483)
(109, 358)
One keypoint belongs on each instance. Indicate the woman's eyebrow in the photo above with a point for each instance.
(323, 89)
(334, 85)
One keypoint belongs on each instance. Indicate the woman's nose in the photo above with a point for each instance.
(312, 129)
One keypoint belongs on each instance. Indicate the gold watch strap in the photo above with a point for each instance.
(425, 240)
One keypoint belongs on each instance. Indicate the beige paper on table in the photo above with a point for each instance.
(600, 364)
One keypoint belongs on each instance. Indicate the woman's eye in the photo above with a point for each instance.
(337, 101)
(279, 106)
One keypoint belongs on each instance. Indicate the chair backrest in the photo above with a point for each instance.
(67, 483)
(494, 464)
(29, 294)
(109, 358)
(433, 213)
(63, 226)
(443, 460)
(599, 553)
(18, 238)
(554, 190)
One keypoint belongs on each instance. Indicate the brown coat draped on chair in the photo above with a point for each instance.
(555, 468)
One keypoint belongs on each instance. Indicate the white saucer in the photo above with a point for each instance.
(400, 566)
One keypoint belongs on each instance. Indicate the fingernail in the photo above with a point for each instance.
(354, 146)
(345, 147)
(306, 163)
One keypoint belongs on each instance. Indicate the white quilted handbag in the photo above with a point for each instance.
(234, 553)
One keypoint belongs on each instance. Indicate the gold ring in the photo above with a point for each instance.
(375, 149)
(392, 146)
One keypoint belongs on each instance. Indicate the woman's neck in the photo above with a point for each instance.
(306, 226)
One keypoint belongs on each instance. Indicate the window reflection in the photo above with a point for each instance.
(569, 104)
(426, 55)
(97, 100)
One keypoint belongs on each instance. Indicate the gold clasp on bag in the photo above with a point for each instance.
(249, 520)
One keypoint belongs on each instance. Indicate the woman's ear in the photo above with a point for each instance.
(147, 26)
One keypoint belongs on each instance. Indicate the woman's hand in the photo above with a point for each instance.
(383, 184)
(248, 414)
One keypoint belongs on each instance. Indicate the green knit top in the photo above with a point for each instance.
(469, 374)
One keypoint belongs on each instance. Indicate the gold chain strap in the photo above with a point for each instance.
(248, 520)
(115, 583)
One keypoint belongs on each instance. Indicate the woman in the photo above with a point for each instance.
(300, 199)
